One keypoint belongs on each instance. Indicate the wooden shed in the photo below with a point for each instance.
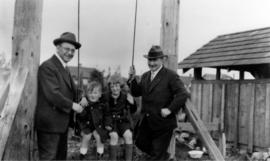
(245, 103)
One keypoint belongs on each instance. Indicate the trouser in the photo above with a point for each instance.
(52, 146)
(155, 143)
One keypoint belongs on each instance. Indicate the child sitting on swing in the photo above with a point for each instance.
(92, 120)
(121, 104)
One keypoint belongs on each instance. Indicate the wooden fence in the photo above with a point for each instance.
(246, 109)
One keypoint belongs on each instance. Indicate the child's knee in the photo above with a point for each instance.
(114, 138)
(86, 136)
(128, 137)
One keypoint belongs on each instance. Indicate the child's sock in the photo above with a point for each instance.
(100, 150)
(83, 150)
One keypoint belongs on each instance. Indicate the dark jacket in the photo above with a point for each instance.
(121, 109)
(56, 93)
(95, 114)
(165, 91)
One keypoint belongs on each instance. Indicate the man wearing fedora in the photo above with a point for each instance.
(56, 100)
(163, 94)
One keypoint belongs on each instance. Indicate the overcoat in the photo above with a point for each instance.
(56, 93)
(166, 90)
(121, 110)
(95, 115)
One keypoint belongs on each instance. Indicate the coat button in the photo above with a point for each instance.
(99, 126)
(91, 108)
(147, 115)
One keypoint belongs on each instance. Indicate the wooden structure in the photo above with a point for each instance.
(18, 99)
(244, 103)
(169, 44)
(16, 120)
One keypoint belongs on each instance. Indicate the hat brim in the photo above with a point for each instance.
(154, 57)
(61, 40)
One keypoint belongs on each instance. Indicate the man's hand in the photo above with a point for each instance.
(83, 102)
(77, 108)
(108, 128)
(130, 99)
(165, 112)
(132, 72)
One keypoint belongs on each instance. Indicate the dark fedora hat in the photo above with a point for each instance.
(155, 52)
(67, 37)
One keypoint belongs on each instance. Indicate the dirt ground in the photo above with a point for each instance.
(181, 152)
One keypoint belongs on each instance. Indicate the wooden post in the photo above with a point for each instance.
(169, 32)
(197, 73)
(169, 43)
(218, 74)
(25, 53)
(241, 75)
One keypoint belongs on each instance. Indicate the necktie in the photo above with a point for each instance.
(152, 76)
(67, 69)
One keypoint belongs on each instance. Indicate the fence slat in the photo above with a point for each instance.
(267, 115)
(203, 132)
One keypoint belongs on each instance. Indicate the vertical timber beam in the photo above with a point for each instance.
(25, 53)
(218, 73)
(169, 43)
(169, 32)
(198, 73)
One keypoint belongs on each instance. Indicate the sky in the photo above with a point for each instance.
(106, 31)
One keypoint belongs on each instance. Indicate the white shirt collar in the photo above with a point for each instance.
(156, 72)
(62, 62)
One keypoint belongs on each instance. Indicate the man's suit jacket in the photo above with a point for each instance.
(56, 92)
(165, 91)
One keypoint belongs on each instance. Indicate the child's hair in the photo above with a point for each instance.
(93, 85)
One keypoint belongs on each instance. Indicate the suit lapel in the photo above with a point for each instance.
(62, 71)
(156, 80)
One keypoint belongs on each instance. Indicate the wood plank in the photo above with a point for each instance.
(236, 54)
(259, 115)
(234, 44)
(251, 121)
(244, 107)
(187, 126)
(231, 103)
(8, 113)
(224, 63)
(200, 94)
(267, 116)
(222, 138)
(206, 91)
(203, 132)
(235, 115)
(239, 39)
(232, 48)
(217, 97)
(250, 33)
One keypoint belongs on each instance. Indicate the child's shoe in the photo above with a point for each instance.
(82, 156)
(99, 156)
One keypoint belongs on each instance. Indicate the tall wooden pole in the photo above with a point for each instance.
(169, 43)
(169, 32)
(25, 53)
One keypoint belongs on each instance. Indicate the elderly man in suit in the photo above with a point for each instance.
(163, 94)
(56, 100)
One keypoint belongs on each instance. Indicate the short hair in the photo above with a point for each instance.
(92, 85)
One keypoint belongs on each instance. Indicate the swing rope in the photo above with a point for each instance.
(134, 34)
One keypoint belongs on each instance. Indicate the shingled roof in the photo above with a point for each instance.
(232, 51)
